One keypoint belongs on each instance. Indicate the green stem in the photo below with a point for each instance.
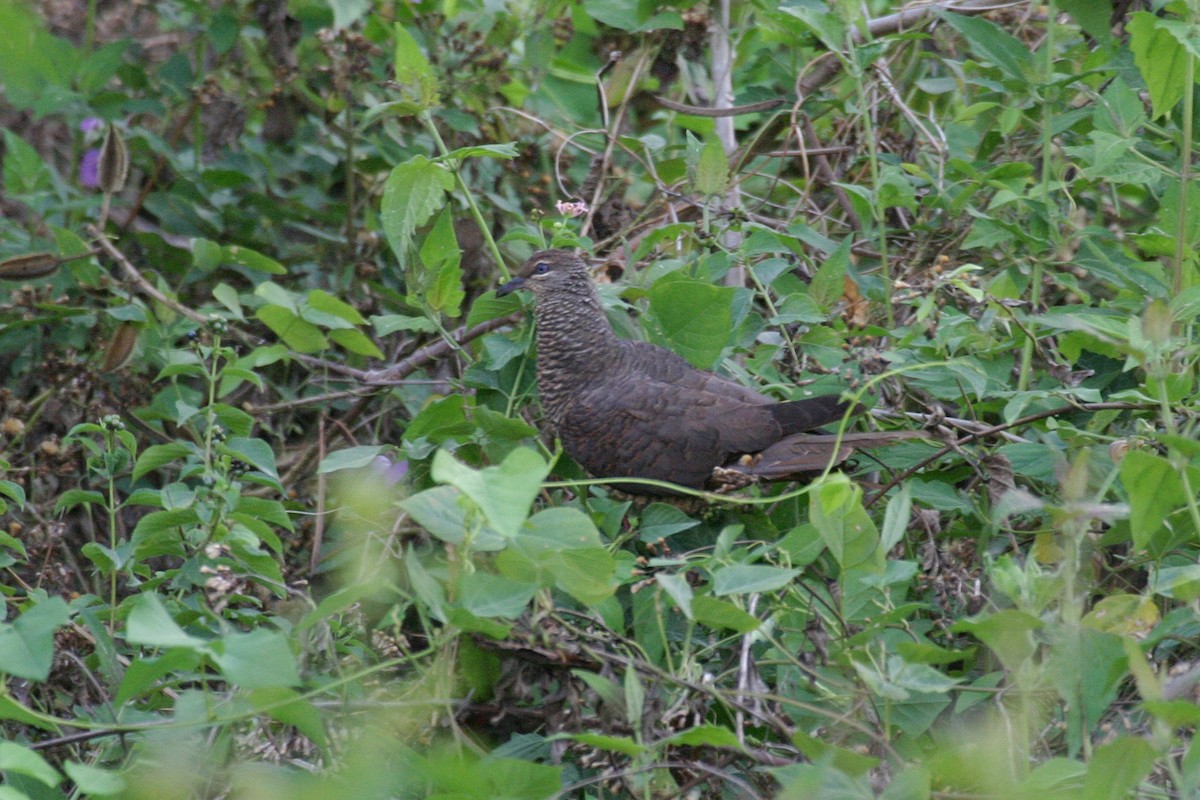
(1185, 176)
(1036, 273)
(427, 120)
(112, 541)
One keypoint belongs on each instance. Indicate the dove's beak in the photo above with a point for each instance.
(510, 287)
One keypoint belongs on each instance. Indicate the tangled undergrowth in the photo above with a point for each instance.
(278, 518)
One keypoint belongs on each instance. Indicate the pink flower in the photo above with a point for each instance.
(576, 209)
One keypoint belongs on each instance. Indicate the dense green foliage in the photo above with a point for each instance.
(278, 519)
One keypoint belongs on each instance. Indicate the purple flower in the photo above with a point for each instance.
(90, 124)
(389, 471)
(89, 169)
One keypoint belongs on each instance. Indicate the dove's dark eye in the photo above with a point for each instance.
(541, 268)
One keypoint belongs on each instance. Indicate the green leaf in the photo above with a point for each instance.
(1116, 768)
(1008, 633)
(150, 624)
(159, 455)
(327, 303)
(1161, 58)
(254, 452)
(259, 659)
(1155, 491)
(353, 342)
(93, 781)
(613, 744)
(661, 520)
(487, 595)
(442, 280)
(503, 492)
(748, 578)
(844, 760)
(413, 72)
(829, 283)
(74, 497)
(677, 587)
(993, 42)
(252, 259)
(20, 759)
(836, 510)
(632, 15)
(349, 458)
(391, 323)
(439, 512)
(296, 333)
(506, 150)
(695, 319)
(561, 547)
(722, 614)
(412, 193)
(711, 176)
(824, 25)
(287, 706)
(27, 645)
(348, 12)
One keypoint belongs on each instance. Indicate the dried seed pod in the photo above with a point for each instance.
(114, 161)
(120, 347)
(30, 265)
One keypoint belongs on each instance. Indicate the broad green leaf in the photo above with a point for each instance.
(390, 323)
(93, 781)
(487, 595)
(159, 455)
(993, 43)
(711, 176)
(613, 744)
(747, 578)
(441, 284)
(505, 151)
(412, 193)
(296, 333)
(252, 259)
(254, 452)
(1155, 491)
(847, 761)
(1123, 614)
(829, 283)
(327, 303)
(836, 510)
(150, 624)
(661, 520)
(349, 458)
(896, 518)
(353, 341)
(259, 659)
(722, 614)
(348, 12)
(27, 644)
(1161, 58)
(1008, 633)
(439, 512)
(287, 706)
(143, 673)
(677, 587)
(561, 547)
(694, 318)
(632, 15)
(1116, 768)
(413, 72)
(20, 759)
(75, 497)
(503, 492)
